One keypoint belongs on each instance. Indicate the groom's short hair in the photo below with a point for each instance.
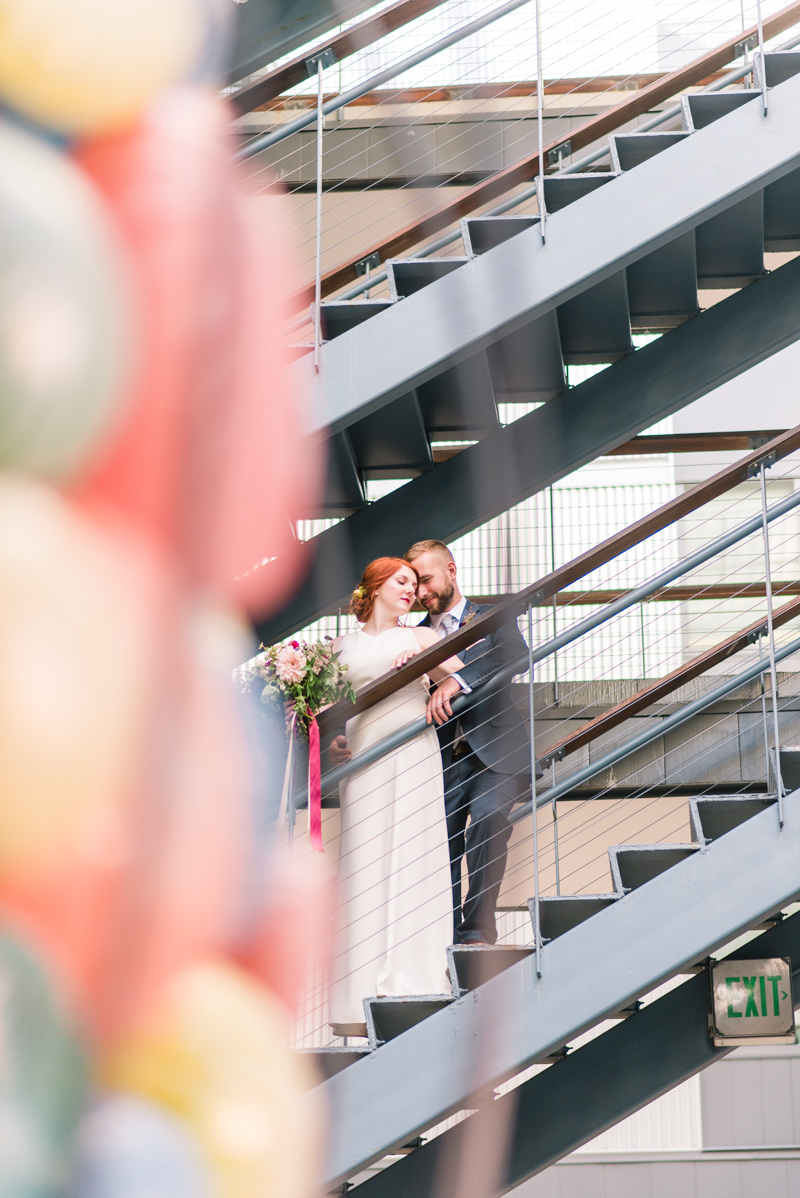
(421, 547)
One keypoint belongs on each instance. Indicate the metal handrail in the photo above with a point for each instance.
(463, 702)
(650, 734)
(545, 588)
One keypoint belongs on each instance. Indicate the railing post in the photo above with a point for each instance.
(764, 99)
(315, 66)
(556, 696)
(764, 708)
(773, 673)
(540, 122)
(537, 937)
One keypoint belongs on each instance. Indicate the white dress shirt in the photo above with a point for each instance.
(443, 623)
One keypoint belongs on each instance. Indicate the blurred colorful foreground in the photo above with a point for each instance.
(152, 941)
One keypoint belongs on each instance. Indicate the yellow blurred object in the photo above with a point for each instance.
(216, 1052)
(90, 66)
(73, 672)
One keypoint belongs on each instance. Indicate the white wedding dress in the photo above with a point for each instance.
(395, 899)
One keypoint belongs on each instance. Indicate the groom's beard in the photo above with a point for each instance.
(440, 602)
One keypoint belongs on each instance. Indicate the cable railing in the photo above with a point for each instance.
(542, 651)
(628, 781)
(545, 588)
(584, 135)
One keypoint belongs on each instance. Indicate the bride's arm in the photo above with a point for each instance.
(425, 638)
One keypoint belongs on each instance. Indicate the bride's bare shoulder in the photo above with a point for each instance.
(425, 637)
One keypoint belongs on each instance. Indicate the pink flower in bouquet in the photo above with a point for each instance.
(290, 664)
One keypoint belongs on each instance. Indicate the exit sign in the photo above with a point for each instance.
(752, 1002)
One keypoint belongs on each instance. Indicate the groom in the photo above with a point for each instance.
(485, 749)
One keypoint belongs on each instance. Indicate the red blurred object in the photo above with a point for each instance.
(64, 900)
(187, 845)
(209, 456)
(293, 933)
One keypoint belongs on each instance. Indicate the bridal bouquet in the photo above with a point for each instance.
(308, 676)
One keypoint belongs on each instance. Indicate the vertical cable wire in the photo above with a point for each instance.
(556, 697)
(537, 938)
(318, 259)
(554, 806)
(540, 122)
(771, 635)
(764, 709)
(762, 58)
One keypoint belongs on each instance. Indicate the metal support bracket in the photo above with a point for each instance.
(324, 58)
(754, 469)
(367, 264)
(556, 157)
(741, 49)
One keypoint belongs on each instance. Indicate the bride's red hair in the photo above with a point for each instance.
(373, 578)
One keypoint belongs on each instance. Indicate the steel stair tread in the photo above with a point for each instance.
(562, 190)
(699, 111)
(388, 1018)
(712, 816)
(409, 275)
(472, 966)
(629, 150)
(333, 1059)
(781, 66)
(482, 233)
(633, 865)
(561, 913)
(341, 316)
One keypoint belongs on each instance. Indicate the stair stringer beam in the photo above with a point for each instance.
(593, 1088)
(517, 1019)
(522, 279)
(552, 441)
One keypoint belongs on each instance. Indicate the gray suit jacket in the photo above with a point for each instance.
(493, 728)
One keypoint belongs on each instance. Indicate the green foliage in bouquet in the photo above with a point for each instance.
(310, 676)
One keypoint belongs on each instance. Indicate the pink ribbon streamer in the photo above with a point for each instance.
(314, 788)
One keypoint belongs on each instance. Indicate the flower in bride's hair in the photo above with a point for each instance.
(290, 664)
(359, 592)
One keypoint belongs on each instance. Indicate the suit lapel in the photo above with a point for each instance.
(469, 610)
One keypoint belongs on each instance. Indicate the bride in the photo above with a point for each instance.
(395, 895)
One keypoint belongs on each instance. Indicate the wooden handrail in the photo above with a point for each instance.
(544, 588)
(657, 443)
(527, 168)
(670, 594)
(620, 712)
(358, 37)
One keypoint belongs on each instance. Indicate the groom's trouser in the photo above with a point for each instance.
(477, 804)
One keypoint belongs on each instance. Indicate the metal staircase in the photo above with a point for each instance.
(429, 1057)
(626, 252)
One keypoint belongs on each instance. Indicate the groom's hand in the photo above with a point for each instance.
(338, 751)
(439, 709)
